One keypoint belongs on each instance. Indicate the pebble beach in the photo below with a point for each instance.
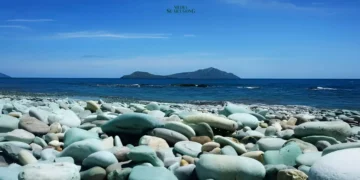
(68, 139)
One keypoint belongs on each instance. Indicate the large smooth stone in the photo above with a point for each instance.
(245, 119)
(53, 171)
(152, 106)
(170, 136)
(223, 141)
(33, 125)
(95, 173)
(337, 147)
(101, 158)
(180, 128)
(290, 174)
(155, 143)
(257, 155)
(20, 135)
(202, 129)
(11, 172)
(157, 114)
(92, 106)
(266, 144)
(286, 155)
(308, 159)
(16, 143)
(336, 129)
(189, 148)
(212, 120)
(185, 172)
(65, 117)
(314, 139)
(119, 174)
(8, 123)
(273, 170)
(228, 150)
(339, 165)
(76, 134)
(26, 157)
(39, 114)
(231, 108)
(305, 146)
(222, 167)
(82, 149)
(144, 154)
(151, 173)
(131, 123)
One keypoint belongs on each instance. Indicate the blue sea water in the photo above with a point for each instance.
(323, 93)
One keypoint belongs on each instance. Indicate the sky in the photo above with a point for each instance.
(111, 38)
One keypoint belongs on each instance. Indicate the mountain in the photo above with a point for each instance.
(4, 76)
(208, 73)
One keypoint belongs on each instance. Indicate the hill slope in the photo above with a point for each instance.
(4, 76)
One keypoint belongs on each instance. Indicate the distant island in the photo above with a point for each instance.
(208, 73)
(4, 76)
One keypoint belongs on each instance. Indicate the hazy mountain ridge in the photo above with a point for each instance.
(208, 73)
(4, 76)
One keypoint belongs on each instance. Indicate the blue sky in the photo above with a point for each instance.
(110, 38)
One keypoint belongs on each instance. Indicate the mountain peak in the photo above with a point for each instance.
(4, 76)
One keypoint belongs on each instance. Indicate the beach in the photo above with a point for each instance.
(66, 138)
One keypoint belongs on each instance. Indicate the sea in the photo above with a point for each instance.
(321, 93)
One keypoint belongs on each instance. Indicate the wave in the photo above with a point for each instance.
(248, 87)
(323, 88)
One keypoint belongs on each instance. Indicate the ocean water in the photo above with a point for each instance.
(323, 93)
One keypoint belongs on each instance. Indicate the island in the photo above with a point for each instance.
(207, 73)
(4, 76)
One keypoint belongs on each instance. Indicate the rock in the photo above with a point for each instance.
(270, 131)
(55, 128)
(76, 134)
(33, 125)
(273, 170)
(228, 150)
(95, 173)
(11, 172)
(339, 165)
(120, 153)
(170, 136)
(8, 123)
(157, 114)
(304, 169)
(151, 173)
(266, 144)
(202, 129)
(82, 149)
(131, 123)
(39, 114)
(26, 157)
(108, 142)
(285, 134)
(180, 128)
(212, 120)
(305, 147)
(155, 143)
(231, 108)
(308, 159)
(65, 117)
(337, 129)
(54, 171)
(185, 172)
(209, 146)
(189, 148)
(65, 159)
(321, 145)
(10, 152)
(337, 147)
(223, 167)
(286, 155)
(315, 139)
(20, 135)
(201, 139)
(39, 141)
(119, 174)
(303, 118)
(49, 154)
(144, 154)
(223, 141)
(51, 137)
(257, 155)
(291, 174)
(117, 142)
(92, 106)
(107, 107)
(101, 158)
(245, 119)
(113, 167)
(152, 106)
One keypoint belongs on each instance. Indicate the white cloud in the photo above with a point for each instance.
(104, 34)
(30, 20)
(14, 26)
(189, 35)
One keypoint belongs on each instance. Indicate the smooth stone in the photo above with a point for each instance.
(337, 147)
(266, 144)
(16, 143)
(101, 158)
(50, 137)
(20, 135)
(285, 134)
(11, 172)
(180, 128)
(108, 142)
(164, 154)
(189, 159)
(255, 133)
(107, 107)
(157, 114)
(76, 134)
(33, 125)
(305, 146)
(245, 119)
(3, 161)
(119, 174)
(117, 142)
(131, 123)
(8, 123)
(82, 149)
(185, 172)
(120, 153)
(152, 106)
(39, 114)
(286, 155)
(304, 169)
(151, 173)
(321, 145)
(53, 171)
(87, 126)
(209, 146)
(257, 155)
(339, 165)
(183, 163)
(170, 136)
(95, 173)
(202, 129)
(122, 110)
(92, 106)
(170, 161)
(223, 167)
(49, 154)
(65, 117)
(26, 157)
(228, 150)
(308, 159)
(213, 120)
(189, 148)
(223, 141)
(314, 139)
(113, 167)
(200, 139)
(144, 154)
(41, 142)
(336, 129)
(273, 170)
(65, 159)
(291, 174)
(231, 108)
(10, 152)
(155, 143)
